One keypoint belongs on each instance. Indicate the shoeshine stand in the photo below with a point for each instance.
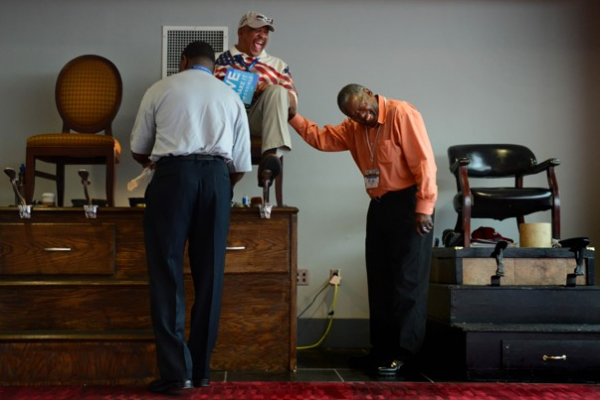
(526, 314)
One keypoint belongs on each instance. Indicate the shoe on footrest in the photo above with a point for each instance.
(269, 168)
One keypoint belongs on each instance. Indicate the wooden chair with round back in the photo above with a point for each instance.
(88, 96)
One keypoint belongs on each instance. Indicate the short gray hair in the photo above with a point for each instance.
(350, 90)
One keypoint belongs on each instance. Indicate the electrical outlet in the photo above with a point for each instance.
(302, 279)
(335, 276)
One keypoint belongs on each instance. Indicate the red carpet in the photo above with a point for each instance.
(319, 391)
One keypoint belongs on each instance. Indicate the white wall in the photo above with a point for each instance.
(478, 70)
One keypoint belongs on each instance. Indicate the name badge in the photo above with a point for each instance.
(372, 178)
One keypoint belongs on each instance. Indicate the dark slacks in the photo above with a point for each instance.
(398, 264)
(188, 199)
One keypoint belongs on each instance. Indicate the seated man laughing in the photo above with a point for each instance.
(275, 97)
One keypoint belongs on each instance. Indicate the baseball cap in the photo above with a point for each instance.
(486, 234)
(255, 20)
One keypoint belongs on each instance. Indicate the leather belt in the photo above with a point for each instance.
(195, 157)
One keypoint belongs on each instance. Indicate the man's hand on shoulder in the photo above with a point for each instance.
(293, 106)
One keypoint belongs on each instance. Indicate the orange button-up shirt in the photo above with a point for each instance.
(401, 149)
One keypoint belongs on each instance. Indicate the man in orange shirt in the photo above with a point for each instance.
(389, 143)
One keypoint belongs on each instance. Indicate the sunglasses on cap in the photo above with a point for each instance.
(261, 17)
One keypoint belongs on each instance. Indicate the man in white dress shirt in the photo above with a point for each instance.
(193, 130)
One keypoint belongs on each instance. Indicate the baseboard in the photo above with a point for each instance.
(344, 333)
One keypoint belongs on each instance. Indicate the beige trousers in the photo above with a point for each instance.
(268, 117)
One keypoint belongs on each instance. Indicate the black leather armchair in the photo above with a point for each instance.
(472, 161)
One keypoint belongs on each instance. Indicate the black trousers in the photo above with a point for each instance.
(188, 200)
(398, 264)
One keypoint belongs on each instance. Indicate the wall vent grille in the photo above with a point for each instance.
(175, 38)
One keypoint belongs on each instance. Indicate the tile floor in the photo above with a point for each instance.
(316, 365)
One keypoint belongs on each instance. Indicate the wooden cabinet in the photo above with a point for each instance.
(57, 249)
(74, 302)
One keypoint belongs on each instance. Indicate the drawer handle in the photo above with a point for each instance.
(235, 248)
(57, 249)
(555, 358)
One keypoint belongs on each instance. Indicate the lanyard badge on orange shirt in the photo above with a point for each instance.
(372, 175)
(372, 178)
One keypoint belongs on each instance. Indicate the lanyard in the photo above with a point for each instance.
(202, 68)
(240, 58)
(372, 148)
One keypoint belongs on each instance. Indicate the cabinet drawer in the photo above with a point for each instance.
(57, 249)
(551, 354)
(262, 246)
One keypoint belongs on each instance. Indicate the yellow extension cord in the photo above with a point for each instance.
(318, 343)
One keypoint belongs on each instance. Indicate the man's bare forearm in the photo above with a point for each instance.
(235, 177)
(143, 159)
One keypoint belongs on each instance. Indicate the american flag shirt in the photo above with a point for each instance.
(270, 69)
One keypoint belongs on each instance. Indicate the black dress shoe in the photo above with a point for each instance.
(391, 368)
(269, 168)
(204, 382)
(169, 386)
